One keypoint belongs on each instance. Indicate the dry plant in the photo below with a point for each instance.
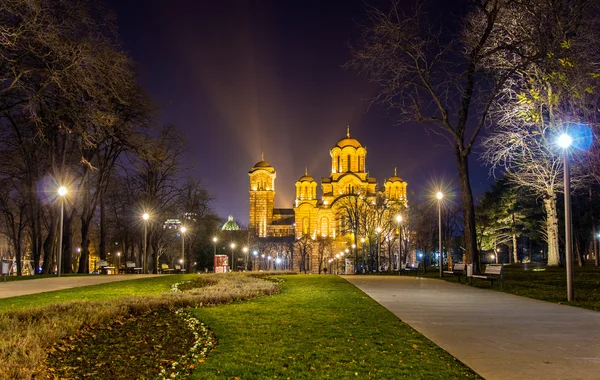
(28, 333)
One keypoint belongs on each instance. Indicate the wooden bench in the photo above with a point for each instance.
(414, 267)
(131, 268)
(178, 269)
(164, 268)
(459, 269)
(493, 272)
(104, 267)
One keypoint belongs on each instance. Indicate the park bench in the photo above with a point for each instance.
(179, 269)
(493, 272)
(459, 269)
(104, 267)
(164, 269)
(131, 268)
(414, 267)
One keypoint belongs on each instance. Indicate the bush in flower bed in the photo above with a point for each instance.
(28, 335)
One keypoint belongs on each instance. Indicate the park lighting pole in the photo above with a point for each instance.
(362, 240)
(119, 261)
(232, 256)
(255, 253)
(245, 250)
(62, 191)
(144, 256)
(378, 258)
(182, 229)
(564, 141)
(355, 257)
(439, 196)
(399, 220)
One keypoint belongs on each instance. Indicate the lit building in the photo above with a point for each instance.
(317, 216)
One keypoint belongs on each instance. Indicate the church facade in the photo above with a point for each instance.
(314, 215)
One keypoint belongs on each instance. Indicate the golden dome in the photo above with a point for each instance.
(306, 177)
(263, 164)
(395, 178)
(348, 141)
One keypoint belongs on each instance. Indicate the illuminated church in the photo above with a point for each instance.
(316, 215)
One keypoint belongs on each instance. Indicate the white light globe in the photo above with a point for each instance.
(439, 195)
(565, 141)
(62, 191)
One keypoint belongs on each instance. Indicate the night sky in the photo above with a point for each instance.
(245, 77)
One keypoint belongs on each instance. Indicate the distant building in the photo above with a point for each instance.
(313, 215)
(230, 225)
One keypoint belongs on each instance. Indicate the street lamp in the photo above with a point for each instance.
(439, 196)
(245, 250)
(232, 256)
(62, 191)
(145, 217)
(564, 141)
(362, 240)
(119, 261)
(182, 229)
(399, 220)
(378, 258)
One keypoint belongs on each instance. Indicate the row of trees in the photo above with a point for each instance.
(73, 115)
(526, 70)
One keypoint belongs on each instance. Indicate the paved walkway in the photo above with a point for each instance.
(24, 287)
(498, 335)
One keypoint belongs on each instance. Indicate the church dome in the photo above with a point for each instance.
(263, 164)
(348, 141)
(230, 225)
(395, 178)
(306, 177)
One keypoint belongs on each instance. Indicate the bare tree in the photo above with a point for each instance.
(446, 81)
(550, 97)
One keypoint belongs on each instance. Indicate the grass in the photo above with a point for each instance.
(141, 287)
(32, 332)
(319, 327)
(545, 283)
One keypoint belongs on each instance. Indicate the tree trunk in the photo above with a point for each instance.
(67, 259)
(84, 258)
(515, 254)
(462, 163)
(595, 240)
(102, 244)
(552, 229)
(49, 247)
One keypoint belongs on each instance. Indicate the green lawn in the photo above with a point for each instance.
(546, 284)
(319, 327)
(146, 286)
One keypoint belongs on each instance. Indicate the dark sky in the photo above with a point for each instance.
(245, 77)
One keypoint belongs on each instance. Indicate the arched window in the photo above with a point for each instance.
(349, 162)
(324, 226)
(339, 165)
(305, 226)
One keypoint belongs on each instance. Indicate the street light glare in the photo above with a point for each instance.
(565, 141)
(232, 245)
(62, 191)
(145, 216)
(214, 240)
(399, 218)
(183, 229)
(439, 195)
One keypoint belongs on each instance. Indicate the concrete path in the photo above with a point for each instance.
(498, 335)
(20, 288)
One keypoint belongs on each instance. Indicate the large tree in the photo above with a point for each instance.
(554, 95)
(444, 78)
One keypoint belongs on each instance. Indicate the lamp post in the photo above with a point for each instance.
(399, 220)
(564, 141)
(378, 258)
(245, 250)
(255, 253)
(362, 240)
(439, 196)
(232, 257)
(119, 261)
(182, 229)
(145, 217)
(355, 257)
(62, 191)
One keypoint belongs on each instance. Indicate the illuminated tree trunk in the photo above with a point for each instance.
(552, 229)
(515, 256)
